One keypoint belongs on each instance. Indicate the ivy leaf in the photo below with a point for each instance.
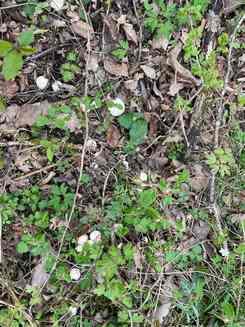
(12, 64)
(25, 38)
(138, 131)
(5, 47)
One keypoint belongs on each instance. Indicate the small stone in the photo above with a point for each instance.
(57, 4)
(95, 236)
(75, 274)
(82, 239)
(73, 311)
(57, 86)
(42, 82)
(143, 177)
(117, 107)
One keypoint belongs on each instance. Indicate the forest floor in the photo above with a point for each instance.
(122, 163)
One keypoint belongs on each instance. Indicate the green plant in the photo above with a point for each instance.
(121, 51)
(13, 54)
(164, 19)
(221, 161)
(70, 69)
(136, 125)
(206, 69)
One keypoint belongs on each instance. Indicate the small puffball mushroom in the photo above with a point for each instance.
(73, 311)
(117, 107)
(95, 236)
(57, 4)
(56, 86)
(143, 176)
(75, 274)
(82, 239)
(42, 82)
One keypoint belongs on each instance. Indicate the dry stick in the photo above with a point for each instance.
(214, 206)
(81, 162)
(35, 172)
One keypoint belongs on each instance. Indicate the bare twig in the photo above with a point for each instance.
(41, 170)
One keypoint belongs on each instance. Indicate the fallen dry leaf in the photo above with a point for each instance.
(8, 89)
(93, 63)
(201, 230)
(181, 70)
(113, 136)
(175, 87)
(82, 29)
(112, 27)
(130, 33)
(114, 68)
(149, 71)
(131, 85)
(27, 115)
(200, 179)
(159, 43)
(167, 293)
(39, 275)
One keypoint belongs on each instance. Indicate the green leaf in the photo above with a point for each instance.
(138, 131)
(12, 64)
(50, 154)
(228, 310)
(22, 247)
(5, 47)
(147, 198)
(25, 38)
(42, 121)
(126, 120)
(27, 51)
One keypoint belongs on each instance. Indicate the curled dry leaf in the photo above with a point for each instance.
(8, 88)
(200, 179)
(175, 87)
(159, 43)
(181, 70)
(115, 68)
(130, 33)
(39, 275)
(82, 29)
(113, 136)
(149, 71)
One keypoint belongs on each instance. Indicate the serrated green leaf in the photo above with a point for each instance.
(5, 47)
(138, 131)
(25, 38)
(12, 64)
